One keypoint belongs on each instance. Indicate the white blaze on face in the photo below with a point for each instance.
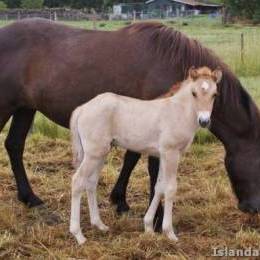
(205, 86)
(203, 116)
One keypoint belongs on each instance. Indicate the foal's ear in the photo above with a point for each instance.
(217, 75)
(193, 73)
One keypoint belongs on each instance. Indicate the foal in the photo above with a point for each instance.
(163, 127)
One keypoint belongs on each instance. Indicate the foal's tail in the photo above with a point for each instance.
(77, 148)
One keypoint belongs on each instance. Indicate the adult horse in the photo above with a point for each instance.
(52, 68)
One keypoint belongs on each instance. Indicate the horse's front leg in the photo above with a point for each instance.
(118, 194)
(150, 214)
(153, 169)
(15, 141)
(169, 165)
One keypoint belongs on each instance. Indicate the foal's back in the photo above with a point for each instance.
(127, 121)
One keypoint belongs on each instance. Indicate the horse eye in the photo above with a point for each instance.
(194, 94)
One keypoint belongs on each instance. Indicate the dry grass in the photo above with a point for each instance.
(205, 214)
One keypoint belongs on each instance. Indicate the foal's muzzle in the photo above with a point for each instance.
(204, 122)
(204, 118)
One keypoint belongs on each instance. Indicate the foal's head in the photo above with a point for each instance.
(203, 85)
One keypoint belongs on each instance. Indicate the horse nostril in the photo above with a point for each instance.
(204, 122)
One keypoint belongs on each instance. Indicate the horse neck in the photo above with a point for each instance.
(237, 119)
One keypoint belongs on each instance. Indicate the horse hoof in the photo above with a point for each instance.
(122, 207)
(172, 236)
(80, 239)
(103, 227)
(30, 200)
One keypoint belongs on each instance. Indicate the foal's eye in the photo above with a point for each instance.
(194, 94)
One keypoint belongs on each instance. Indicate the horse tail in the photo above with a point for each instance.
(77, 148)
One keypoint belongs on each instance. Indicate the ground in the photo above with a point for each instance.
(205, 212)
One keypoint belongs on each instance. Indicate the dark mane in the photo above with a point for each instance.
(176, 48)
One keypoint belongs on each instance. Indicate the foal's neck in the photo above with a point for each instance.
(184, 99)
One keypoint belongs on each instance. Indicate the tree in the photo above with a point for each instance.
(57, 3)
(32, 4)
(12, 3)
(256, 16)
(242, 8)
(3, 5)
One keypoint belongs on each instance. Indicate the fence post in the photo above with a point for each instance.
(94, 23)
(134, 16)
(55, 16)
(242, 49)
(94, 13)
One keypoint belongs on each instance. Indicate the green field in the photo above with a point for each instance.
(205, 212)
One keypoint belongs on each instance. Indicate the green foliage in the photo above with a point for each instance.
(3, 5)
(12, 3)
(256, 16)
(32, 4)
(242, 8)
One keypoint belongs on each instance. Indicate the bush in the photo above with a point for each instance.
(32, 4)
(3, 5)
(256, 16)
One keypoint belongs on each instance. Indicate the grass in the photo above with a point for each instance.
(205, 212)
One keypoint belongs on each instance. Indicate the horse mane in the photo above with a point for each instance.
(181, 52)
(171, 91)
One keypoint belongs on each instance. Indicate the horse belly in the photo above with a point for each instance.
(150, 149)
(133, 139)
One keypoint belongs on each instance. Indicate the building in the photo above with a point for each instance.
(128, 10)
(165, 8)
(181, 7)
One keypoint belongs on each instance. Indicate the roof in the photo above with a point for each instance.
(189, 2)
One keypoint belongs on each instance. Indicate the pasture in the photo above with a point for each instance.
(205, 213)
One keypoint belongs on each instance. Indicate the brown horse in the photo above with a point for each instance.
(53, 68)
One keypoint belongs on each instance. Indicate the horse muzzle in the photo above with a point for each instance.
(249, 207)
(204, 119)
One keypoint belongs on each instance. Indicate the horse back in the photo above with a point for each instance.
(54, 68)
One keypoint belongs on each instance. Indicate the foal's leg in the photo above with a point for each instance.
(78, 186)
(85, 178)
(118, 194)
(169, 165)
(153, 168)
(150, 214)
(91, 188)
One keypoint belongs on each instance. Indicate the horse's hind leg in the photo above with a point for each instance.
(77, 188)
(86, 177)
(118, 194)
(91, 188)
(21, 123)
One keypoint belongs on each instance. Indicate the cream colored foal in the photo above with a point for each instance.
(163, 127)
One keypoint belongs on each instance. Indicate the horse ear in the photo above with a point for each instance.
(217, 75)
(193, 73)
